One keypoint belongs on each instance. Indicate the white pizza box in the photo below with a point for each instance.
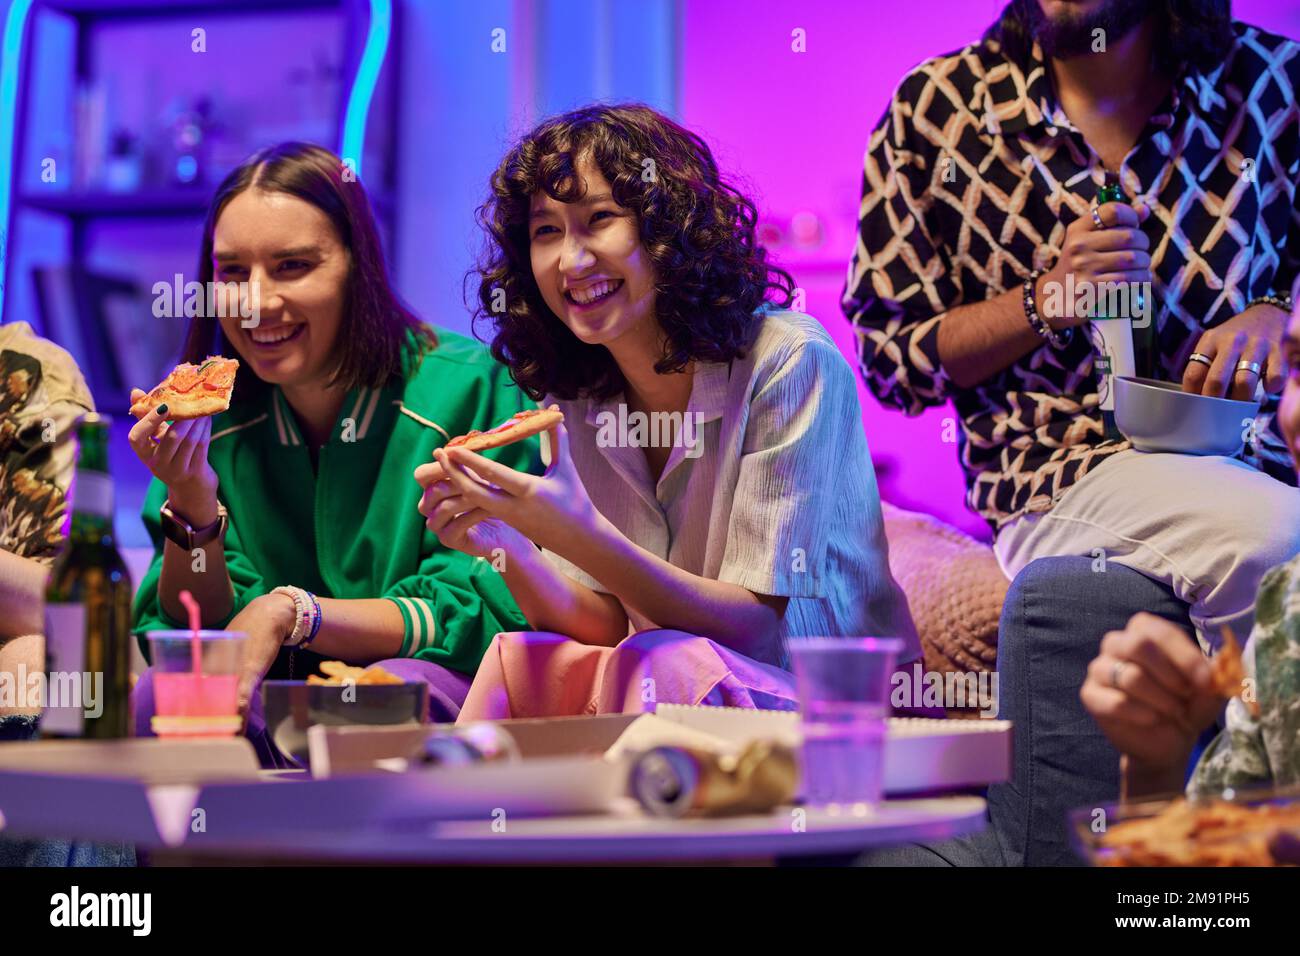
(131, 791)
(157, 792)
(921, 754)
(168, 793)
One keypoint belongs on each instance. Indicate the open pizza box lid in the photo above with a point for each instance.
(128, 791)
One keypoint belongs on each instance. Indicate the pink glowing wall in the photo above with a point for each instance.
(794, 125)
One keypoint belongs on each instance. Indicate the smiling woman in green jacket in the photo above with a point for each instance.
(292, 517)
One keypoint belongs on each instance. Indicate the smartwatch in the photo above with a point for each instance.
(177, 529)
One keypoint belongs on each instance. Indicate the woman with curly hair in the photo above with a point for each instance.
(710, 492)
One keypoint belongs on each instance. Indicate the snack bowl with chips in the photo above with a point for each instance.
(345, 695)
(1231, 829)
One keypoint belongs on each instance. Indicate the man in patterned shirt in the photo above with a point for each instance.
(1149, 688)
(980, 180)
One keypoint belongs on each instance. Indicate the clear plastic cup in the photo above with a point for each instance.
(196, 705)
(843, 687)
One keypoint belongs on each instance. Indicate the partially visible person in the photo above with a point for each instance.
(1150, 690)
(42, 394)
(674, 566)
(299, 497)
(979, 200)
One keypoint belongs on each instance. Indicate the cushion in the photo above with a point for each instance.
(954, 587)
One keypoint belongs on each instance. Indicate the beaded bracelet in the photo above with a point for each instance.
(1282, 302)
(1058, 340)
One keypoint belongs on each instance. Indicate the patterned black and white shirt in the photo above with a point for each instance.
(972, 176)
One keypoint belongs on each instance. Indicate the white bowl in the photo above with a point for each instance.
(1160, 416)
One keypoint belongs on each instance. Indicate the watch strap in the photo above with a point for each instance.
(178, 530)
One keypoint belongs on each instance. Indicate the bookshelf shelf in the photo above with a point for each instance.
(147, 204)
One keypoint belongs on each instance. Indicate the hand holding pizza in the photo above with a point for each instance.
(174, 428)
(549, 510)
(177, 455)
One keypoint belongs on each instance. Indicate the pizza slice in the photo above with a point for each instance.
(192, 391)
(521, 425)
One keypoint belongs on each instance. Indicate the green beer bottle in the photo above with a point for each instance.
(1110, 191)
(88, 607)
(1112, 336)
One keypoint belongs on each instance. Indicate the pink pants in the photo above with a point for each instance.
(540, 674)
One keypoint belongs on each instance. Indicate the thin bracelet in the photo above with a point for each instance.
(317, 617)
(1058, 340)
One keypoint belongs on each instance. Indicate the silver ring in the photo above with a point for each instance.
(1115, 671)
(1096, 217)
(1252, 367)
(1203, 359)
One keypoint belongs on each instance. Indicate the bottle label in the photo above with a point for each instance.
(69, 686)
(1112, 344)
(92, 494)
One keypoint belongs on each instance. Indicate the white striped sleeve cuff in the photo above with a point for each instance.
(420, 632)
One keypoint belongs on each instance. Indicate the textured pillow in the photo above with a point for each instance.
(954, 587)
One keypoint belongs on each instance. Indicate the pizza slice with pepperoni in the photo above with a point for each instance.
(192, 391)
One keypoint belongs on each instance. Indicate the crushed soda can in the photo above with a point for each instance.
(473, 743)
(675, 781)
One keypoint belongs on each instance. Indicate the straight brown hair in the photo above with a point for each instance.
(372, 336)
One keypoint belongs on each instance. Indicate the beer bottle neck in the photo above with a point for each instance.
(92, 507)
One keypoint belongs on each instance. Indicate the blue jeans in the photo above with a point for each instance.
(1055, 615)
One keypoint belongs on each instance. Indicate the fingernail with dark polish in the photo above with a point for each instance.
(162, 409)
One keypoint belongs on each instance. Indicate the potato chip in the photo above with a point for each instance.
(339, 673)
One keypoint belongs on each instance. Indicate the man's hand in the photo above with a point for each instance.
(1150, 692)
(1253, 336)
(1117, 253)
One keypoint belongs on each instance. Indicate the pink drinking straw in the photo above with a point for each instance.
(196, 648)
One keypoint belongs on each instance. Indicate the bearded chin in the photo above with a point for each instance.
(1072, 34)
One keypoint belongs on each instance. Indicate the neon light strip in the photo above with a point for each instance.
(363, 87)
(10, 63)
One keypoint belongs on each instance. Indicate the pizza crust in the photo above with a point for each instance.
(523, 425)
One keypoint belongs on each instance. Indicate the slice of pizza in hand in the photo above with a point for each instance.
(192, 391)
(521, 425)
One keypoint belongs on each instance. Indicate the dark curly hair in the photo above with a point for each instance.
(697, 229)
(1196, 32)
(376, 323)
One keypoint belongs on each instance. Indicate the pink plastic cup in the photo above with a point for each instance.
(205, 704)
